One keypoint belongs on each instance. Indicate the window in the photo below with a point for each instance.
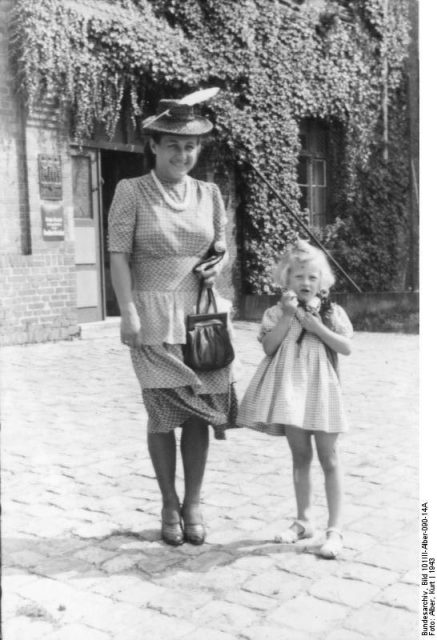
(82, 199)
(312, 171)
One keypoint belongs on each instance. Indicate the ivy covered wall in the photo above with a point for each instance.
(277, 63)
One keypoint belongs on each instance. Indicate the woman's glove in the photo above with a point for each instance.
(210, 267)
(208, 274)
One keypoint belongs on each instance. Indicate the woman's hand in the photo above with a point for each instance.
(122, 282)
(209, 275)
(130, 326)
(289, 303)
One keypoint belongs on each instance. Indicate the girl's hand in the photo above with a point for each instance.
(289, 303)
(309, 322)
(130, 327)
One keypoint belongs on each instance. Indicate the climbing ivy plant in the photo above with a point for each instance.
(277, 62)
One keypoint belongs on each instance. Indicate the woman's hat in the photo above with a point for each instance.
(177, 118)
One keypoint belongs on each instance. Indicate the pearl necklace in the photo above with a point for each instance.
(174, 204)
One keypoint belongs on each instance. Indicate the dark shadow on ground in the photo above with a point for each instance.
(124, 552)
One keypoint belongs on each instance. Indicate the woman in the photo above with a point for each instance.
(160, 226)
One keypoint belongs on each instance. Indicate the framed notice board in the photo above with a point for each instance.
(50, 177)
(52, 222)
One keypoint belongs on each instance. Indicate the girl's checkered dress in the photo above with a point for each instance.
(164, 245)
(298, 385)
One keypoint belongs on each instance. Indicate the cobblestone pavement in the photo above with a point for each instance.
(82, 559)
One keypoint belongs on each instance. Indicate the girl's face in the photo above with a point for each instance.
(175, 155)
(304, 280)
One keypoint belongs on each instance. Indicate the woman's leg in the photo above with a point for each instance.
(327, 450)
(162, 449)
(194, 449)
(302, 453)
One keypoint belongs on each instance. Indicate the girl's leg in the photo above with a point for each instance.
(302, 453)
(194, 449)
(327, 450)
(162, 449)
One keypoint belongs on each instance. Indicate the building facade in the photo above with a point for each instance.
(54, 205)
(55, 197)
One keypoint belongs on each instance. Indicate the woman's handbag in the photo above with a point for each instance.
(208, 345)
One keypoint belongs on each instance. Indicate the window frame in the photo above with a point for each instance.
(314, 137)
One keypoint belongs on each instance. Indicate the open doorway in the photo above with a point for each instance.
(114, 166)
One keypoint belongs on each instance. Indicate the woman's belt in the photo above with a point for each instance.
(165, 274)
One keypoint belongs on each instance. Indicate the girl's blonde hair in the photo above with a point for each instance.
(299, 253)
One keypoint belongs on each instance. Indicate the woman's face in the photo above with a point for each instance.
(175, 155)
(304, 280)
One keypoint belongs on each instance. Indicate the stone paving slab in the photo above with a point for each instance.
(81, 553)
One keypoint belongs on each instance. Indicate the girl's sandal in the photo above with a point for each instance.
(333, 544)
(299, 530)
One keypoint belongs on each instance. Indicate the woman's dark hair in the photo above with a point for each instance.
(157, 136)
(148, 155)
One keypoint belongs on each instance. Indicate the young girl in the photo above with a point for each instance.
(296, 391)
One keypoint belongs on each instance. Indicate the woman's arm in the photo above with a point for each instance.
(122, 282)
(335, 341)
(209, 275)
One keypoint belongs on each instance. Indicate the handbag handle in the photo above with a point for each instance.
(211, 298)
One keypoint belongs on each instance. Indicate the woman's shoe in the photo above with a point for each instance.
(171, 532)
(194, 532)
(299, 530)
(333, 544)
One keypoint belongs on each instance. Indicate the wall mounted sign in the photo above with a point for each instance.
(52, 222)
(50, 177)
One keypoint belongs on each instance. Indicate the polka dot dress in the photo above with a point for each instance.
(164, 244)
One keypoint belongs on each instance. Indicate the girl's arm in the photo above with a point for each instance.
(122, 282)
(335, 341)
(273, 338)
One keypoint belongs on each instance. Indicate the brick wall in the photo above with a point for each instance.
(414, 112)
(39, 297)
(14, 224)
(37, 278)
(38, 289)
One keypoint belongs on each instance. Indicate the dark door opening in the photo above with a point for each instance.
(114, 166)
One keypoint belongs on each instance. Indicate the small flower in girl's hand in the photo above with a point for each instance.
(308, 316)
(289, 303)
(314, 304)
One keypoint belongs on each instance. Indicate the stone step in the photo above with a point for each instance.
(102, 329)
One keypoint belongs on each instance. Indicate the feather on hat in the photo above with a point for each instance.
(178, 116)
